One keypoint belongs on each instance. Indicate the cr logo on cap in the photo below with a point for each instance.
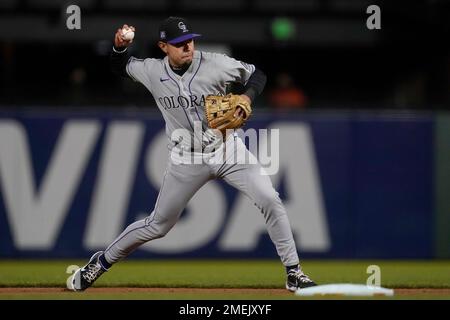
(182, 26)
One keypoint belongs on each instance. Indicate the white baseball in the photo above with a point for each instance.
(127, 34)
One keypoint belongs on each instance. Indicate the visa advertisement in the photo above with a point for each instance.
(355, 185)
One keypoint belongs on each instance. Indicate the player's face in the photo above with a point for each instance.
(179, 54)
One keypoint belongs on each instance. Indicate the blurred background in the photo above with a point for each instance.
(322, 49)
(363, 116)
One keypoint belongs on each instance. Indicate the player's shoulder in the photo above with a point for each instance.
(210, 54)
(207, 55)
(217, 60)
(146, 62)
(222, 60)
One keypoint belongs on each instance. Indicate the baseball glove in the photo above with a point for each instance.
(220, 111)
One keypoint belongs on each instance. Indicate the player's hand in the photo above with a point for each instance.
(120, 42)
(239, 111)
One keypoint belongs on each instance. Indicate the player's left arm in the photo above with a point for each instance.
(253, 88)
(247, 75)
(255, 84)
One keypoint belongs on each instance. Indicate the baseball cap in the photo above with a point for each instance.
(176, 29)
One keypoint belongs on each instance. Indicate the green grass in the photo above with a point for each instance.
(217, 274)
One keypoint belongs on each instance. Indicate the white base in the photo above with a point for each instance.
(345, 289)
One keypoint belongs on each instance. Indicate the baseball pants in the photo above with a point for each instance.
(182, 179)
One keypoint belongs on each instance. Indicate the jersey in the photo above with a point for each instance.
(181, 99)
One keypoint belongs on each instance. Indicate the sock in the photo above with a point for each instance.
(105, 264)
(292, 268)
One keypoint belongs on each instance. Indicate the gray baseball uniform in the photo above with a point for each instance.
(181, 102)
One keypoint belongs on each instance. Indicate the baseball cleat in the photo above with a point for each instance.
(296, 279)
(84, 277)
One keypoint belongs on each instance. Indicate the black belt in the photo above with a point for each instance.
(197, 149)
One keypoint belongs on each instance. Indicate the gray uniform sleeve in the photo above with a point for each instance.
(235, 70)
(139, 70)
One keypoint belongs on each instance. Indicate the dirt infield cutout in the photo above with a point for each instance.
(278, 292)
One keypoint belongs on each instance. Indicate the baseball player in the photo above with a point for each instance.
(180, 84)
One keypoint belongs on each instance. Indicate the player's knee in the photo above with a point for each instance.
(158, 229)
(269, 201)
(162, 231)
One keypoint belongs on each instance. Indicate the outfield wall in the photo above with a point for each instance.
(356, 185)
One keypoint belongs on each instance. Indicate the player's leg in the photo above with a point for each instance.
(179, 184)
(248, 177)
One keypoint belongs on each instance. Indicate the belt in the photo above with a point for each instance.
(193, 149)
(197, 149)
